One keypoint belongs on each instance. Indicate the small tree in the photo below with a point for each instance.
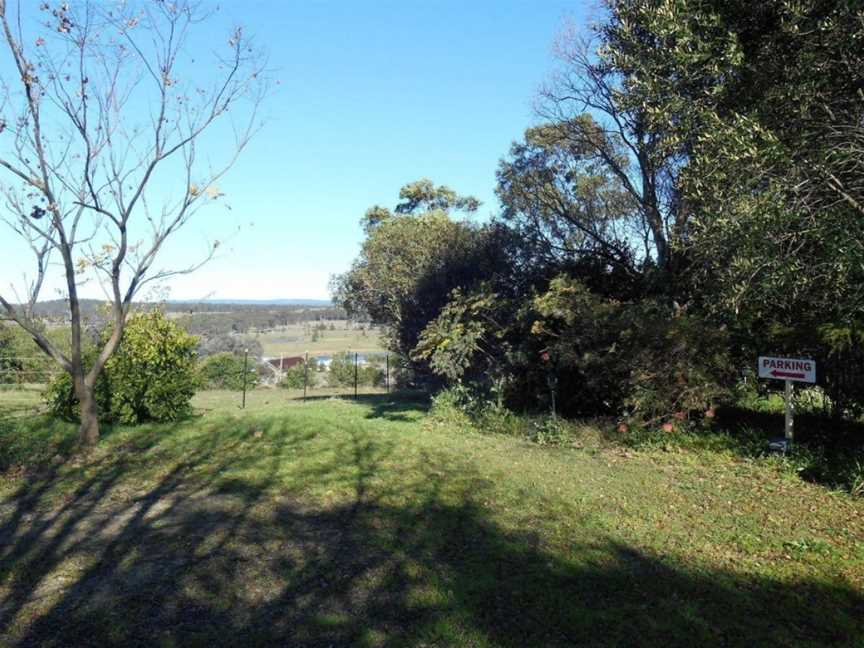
(225, 371)
(300, 375)
(341, 371)
(80, 160)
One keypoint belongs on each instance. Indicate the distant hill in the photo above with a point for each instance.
(57, 308)
(257, 302)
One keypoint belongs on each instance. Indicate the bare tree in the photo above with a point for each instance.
(107, 109)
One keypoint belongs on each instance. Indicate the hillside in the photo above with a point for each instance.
(374, 523)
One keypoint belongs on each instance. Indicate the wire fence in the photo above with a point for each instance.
(346, 374)
(26, 370)
(340, 375)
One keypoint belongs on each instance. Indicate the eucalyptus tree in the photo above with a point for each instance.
(597, 135)
(410, 260)
(767, 99)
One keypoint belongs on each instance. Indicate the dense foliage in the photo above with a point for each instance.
(691, 197)
(301, 375)
(225, 371)
(151, 377)
(345, 371)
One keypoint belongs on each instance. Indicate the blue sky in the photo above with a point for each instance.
(372, 94)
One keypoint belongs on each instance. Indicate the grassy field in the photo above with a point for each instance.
(375, 524)
(296, 340)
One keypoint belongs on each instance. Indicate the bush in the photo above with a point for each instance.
(225, 371)
(62, 402)
(372, 376)
(150, 377)
(342, 372)
(460, 406)
(644, 359)
(296, 377)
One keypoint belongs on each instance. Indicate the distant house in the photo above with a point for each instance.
(284, 363)
(272, 370)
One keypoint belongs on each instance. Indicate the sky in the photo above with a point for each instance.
(371, 95)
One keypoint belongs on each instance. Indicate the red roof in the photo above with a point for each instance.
(285, 362)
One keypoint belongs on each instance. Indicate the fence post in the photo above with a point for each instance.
(305, 375)
(387, 374)
(245, 374)
(356, 356)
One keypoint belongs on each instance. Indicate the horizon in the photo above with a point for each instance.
(287, 301)
(437, 91)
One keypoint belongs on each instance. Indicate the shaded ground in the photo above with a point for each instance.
(336, 523)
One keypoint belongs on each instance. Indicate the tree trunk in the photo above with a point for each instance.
(88, 433)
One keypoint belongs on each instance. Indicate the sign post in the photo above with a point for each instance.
(789, 370)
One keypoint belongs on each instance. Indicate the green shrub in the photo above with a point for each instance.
(225, 371)
(460, 406)
(342, 370)
(855, 479)
(296, 377)
(371, 376)
(451, 406)
(62, 402)
(549, 430)
(645, 359)
(150, 377)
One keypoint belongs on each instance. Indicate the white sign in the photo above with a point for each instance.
(797, 369)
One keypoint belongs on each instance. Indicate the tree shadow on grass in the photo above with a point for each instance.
(402, 406)
(215, 552)
(827, 449)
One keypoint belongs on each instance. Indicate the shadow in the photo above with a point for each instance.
(224, 546)
(403, 406)
(826, 448)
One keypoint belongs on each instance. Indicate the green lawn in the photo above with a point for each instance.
(340, 523)
(21, 400)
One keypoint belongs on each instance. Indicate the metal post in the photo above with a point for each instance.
(355, 375)
(305, 375)
(790, 422)
(245, 374)
(387, 378)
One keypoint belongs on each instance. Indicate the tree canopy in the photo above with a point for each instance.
(690, 196)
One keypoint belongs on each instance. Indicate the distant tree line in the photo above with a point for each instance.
(692, 196)
(255, 314)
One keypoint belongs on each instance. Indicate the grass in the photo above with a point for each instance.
(273, 400)
(20, 400)
(371, 523)
(297, 339)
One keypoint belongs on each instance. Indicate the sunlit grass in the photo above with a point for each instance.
(295, 340)
(370, 523)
